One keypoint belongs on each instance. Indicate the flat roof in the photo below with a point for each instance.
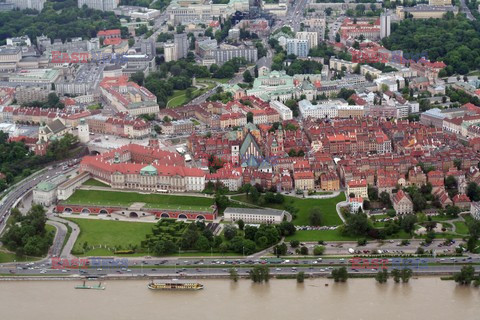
(270, 212)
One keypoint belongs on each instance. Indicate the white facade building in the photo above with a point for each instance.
(267, 216)
(284, 111)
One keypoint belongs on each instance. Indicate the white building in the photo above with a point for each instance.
(355, 204)
(28, 4)
(83, 131)
(169, 52)
(385, 21)
(298, 47)
(103, 5)
(45, 193)
(284, 111)
(475, 210)
(324, 109)
(311, 37)
(267, 216)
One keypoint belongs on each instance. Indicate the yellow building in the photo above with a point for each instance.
(358, 187)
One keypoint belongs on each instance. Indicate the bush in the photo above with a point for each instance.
(294, 243)
(304, 251)
(318, 250)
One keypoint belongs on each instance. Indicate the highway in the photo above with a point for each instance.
(219, 267)
(26, 186)
(22, 188)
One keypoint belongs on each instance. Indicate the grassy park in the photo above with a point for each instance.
(327, 207)
(125, 199)
(103, 236)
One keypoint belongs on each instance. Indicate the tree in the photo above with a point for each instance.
(396, 274)
(337, 37)
(372, 193)
(406, 274)
(247, 76)
(340, 274)
(385, 199)
(318, 250)
(280, 250)
(473, 191)
(294, 243)
(315, 217)
(465, 276)
(254, 195)
(304, 251)
(300, 277)
(233, 274)
(452, 211)
(408, 223)
(382, 276)
(241, 224)
(260, 274)
(229, 232)
(357, 225)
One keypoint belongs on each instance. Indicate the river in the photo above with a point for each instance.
(423, 298)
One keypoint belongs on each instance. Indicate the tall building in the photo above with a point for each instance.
(385, 21)
(312, 38)
(169, 52)
(27, 4)
(298, 47)
(83, 131)
(181, 45)
(102, 5)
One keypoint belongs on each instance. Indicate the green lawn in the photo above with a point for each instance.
(160, 201)
(109, 234)
(177, 99)
(327, 207)
(96, 183)
(461, 227)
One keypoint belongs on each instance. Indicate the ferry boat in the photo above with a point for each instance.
(84, 286)
(175, 285)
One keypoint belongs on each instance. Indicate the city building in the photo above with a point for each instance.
(247, 215)
(356, 204)
(127, 96)
(181, 45)
(9, 58)
(358, 188)
(142, 13)
(298, 47)
(284, 111)
(169, 52)
(475, 210)
(385, 22)
(144, 168)
(402, 203)
(45, 193)
(423, 11)
(27, 94)
(102, 5)
(199, 11)
(312, 38)
(28, 4)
